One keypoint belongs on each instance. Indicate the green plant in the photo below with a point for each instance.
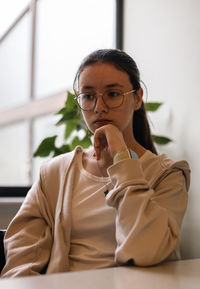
(158, 139)
(72, 119)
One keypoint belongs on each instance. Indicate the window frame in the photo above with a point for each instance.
(49, 104)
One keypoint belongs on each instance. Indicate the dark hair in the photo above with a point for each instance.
(124, 62)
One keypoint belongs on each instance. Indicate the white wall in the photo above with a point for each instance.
(164, 39)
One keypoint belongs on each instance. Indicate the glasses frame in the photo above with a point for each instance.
(96, 94)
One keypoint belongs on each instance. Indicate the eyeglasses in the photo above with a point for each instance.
(112, 98)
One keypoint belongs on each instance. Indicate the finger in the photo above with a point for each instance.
(100, 143)
(97, 152)
(99, 148)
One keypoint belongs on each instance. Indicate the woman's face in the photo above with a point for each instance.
(98, 78)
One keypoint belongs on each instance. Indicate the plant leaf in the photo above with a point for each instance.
(69, 111)
(61, 111)
(85, 142)
(70, 126)
(70, 115)
(61, 150)
(45, 147)
(70, 102)
(152, 106)
(161, 140)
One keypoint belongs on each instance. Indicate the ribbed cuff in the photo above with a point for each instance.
(121, 156)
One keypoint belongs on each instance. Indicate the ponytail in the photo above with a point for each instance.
(141, 129)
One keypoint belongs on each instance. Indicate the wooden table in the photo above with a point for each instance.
(171, 275)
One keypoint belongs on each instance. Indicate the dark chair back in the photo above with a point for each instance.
(2, 255)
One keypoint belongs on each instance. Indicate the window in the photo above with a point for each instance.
(42, 43)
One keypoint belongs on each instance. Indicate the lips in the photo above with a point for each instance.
(102, 121)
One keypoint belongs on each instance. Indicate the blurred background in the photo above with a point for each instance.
(39, 56)
(41, 45)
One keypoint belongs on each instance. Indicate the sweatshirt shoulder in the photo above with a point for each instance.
(59, 163)
(163, 165)
(162, 161)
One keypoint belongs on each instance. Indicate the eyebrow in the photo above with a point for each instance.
(114, 85)
(110, 85)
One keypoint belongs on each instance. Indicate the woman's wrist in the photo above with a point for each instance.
(125, 154)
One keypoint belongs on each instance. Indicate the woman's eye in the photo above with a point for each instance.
(113, 93)
(87, 96)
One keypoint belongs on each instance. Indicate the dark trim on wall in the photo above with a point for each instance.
(119, 23)
(14, 191)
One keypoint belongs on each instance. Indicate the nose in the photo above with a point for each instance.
(100, 106)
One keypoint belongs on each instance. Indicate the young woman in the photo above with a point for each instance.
(118, 203)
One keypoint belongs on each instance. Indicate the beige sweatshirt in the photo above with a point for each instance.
(150, 198)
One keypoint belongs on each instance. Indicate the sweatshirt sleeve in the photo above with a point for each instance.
(28, 239)
(148, 218)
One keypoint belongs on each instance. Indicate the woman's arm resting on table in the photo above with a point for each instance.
(148, 220)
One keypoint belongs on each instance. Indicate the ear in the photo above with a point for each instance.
(138, 98)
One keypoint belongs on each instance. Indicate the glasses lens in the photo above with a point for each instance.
(113, 98)
(86, 101)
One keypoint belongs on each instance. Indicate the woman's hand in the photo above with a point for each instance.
(108, 138)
